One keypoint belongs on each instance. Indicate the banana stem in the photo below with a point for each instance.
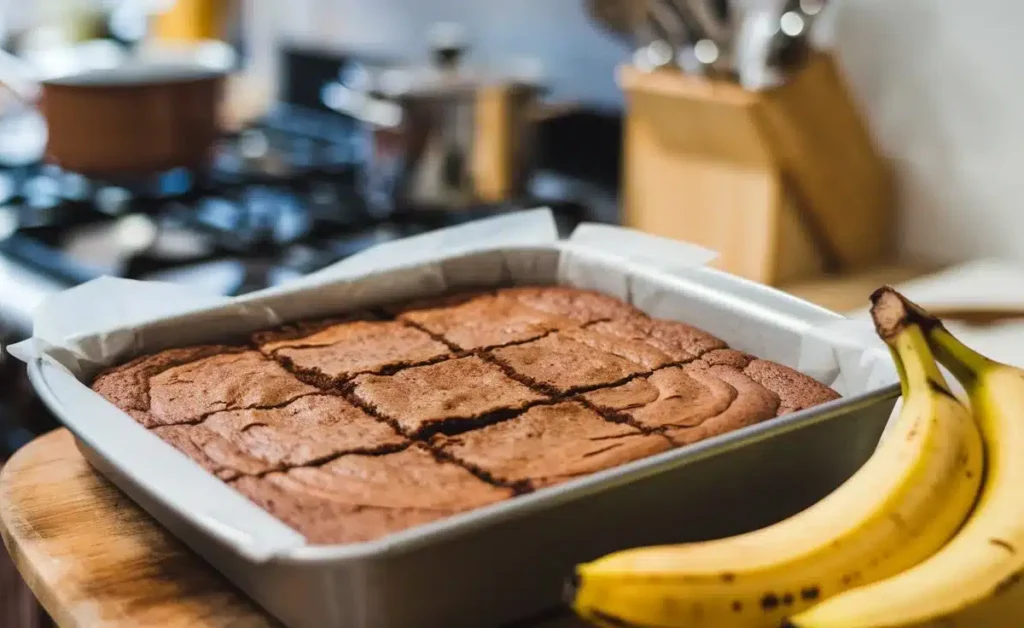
(918, 361)
(965, 363)
(900, 370)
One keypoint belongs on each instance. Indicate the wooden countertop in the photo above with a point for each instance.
(96, 560)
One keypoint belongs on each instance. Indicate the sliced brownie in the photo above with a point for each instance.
(691, 402)
(230, 381)
(360, 498)
(486, 321)
(548, 445)
(583, 306)
(127, 386)
(269, 341)
(333, 354)
(678, 340)
(443, 396)
(561, 363)
(307, 430)
(185, 385)
(796, 390)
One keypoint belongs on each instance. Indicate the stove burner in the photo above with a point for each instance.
(282, 198)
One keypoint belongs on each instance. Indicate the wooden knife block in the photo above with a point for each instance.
(784, 183)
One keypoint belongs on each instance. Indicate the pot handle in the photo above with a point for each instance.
(17, 76)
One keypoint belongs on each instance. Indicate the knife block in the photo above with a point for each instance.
(784, 183)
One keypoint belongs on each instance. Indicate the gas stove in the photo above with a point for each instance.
(283, 197)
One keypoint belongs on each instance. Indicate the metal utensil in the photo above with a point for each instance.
(790, 46)
(705, 53)
(657, 35)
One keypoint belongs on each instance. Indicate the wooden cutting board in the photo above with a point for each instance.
(95, 559)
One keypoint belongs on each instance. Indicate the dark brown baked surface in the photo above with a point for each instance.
(425, 398)
(548, 445)
(336, 353)
(361, 497)
(307, 430)
(351, 428)
(486, 321)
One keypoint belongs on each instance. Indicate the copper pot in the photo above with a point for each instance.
(138, 117)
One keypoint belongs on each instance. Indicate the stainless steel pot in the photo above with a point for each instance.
(443, 136)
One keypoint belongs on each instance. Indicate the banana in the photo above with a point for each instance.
(977, 580)
(904, 503)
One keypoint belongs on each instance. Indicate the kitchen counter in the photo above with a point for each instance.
(95, 559)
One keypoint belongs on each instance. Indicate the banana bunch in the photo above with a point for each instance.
(900, 508)
(977, 580)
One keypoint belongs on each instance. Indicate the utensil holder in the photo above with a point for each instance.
(785, 183)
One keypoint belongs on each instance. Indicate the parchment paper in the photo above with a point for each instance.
(108, 321)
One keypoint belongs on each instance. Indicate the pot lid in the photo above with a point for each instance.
(448, 73)
(102, 62)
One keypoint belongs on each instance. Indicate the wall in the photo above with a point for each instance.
(939, 80)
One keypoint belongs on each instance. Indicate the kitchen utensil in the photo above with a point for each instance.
(675, 38)
(431, 127)
(790, 46)
(707, 49)
(150, 113)
(618, 17)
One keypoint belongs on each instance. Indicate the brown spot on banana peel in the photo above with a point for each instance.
(810, 593)
(728, 577)
(787, 599)
(769, 602)
(737, 606)
(1003, 544)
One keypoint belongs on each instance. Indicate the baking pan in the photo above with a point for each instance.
(506, 561)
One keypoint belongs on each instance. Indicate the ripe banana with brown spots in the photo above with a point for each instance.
(977, 580)
(905, 503)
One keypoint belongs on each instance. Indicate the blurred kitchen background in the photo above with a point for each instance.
(823, 147)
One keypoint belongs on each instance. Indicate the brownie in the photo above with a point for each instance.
(486, 321)
(338, 352)
(180, 437)
(353, 427)
(443, 395)
(186, 385)
(561, 364)
(310, 429)
(271, 340)
(728, 357)
(633, 349)
(680, 341)
(691, 402)
(796, 390)
(360, 497)
(583, 306)
(127, 386)
(547, 445)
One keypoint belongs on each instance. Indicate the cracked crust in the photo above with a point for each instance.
(359, 498)
(420, 399)
(308, 430)
(560, 363)
(329, 424)
(486, 321)
(582, 306)
(548, 445)
(338, 352)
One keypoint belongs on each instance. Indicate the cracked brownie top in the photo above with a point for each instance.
(353, 427)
